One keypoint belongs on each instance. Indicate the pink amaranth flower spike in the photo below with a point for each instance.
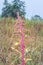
(22, 38)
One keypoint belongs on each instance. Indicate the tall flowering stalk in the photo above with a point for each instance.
(22, 37)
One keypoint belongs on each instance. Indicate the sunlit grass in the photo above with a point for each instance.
(11, 46)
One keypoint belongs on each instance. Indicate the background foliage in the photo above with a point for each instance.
(11, 9)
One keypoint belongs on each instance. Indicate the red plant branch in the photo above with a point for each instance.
(22, 38)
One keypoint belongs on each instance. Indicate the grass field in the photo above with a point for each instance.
(10, 37)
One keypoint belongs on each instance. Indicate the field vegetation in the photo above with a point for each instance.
(10, 37)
